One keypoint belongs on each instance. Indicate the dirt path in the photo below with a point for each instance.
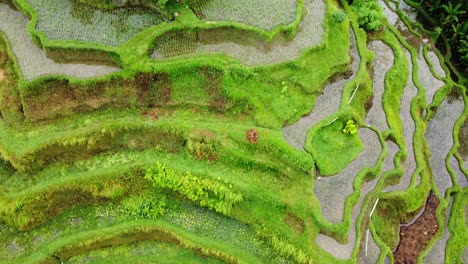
(2, 75)
(415, 237)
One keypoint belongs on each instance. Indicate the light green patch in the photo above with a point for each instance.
(332, 149)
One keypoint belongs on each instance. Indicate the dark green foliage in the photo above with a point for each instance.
(210, 193)
(370, 15)
(451, 17)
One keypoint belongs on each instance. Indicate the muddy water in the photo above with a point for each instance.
(31, 59)
(394, 20)
(430, 83)
(434, 60)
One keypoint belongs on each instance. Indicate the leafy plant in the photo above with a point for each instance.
(147, 207)
(370, 15)
(210, 193)
(350, 127)
(202, 147)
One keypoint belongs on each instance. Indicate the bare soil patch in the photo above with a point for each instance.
(2, 75)
(415, 237)
(252, 136)
(463, 139)
(295, 223)
(152, 113)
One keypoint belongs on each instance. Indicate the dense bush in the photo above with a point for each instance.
(370, 15)
(450, 17)
(210, 193)
(350, 128)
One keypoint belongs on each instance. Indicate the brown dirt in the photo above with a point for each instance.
(152, 113)
(2, 75)
(295, 223)
(415, 237)
(252, 136)
(368, 104)
(463, 138)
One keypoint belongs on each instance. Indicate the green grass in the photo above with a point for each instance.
(71, 173)
(458, 230)
(332, 149)
(142, 252)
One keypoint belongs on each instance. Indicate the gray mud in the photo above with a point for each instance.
(310, 33)
(439, 136)
(32, 61)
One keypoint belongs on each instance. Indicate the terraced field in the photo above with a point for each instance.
(228, 132)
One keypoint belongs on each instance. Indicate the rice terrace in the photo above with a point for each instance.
(233, 131)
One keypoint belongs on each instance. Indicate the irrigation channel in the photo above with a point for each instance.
(32, 61)
(254, 53)
(326, 104)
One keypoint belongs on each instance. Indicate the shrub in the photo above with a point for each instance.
(370, 15)
(350, 127)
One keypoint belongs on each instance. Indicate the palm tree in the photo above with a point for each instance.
(453, 12)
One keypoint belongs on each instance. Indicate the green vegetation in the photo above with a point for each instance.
(332, 148)
(209, 193)
(153, 133)
(350, 127)
(370, 16)
(450, 20)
